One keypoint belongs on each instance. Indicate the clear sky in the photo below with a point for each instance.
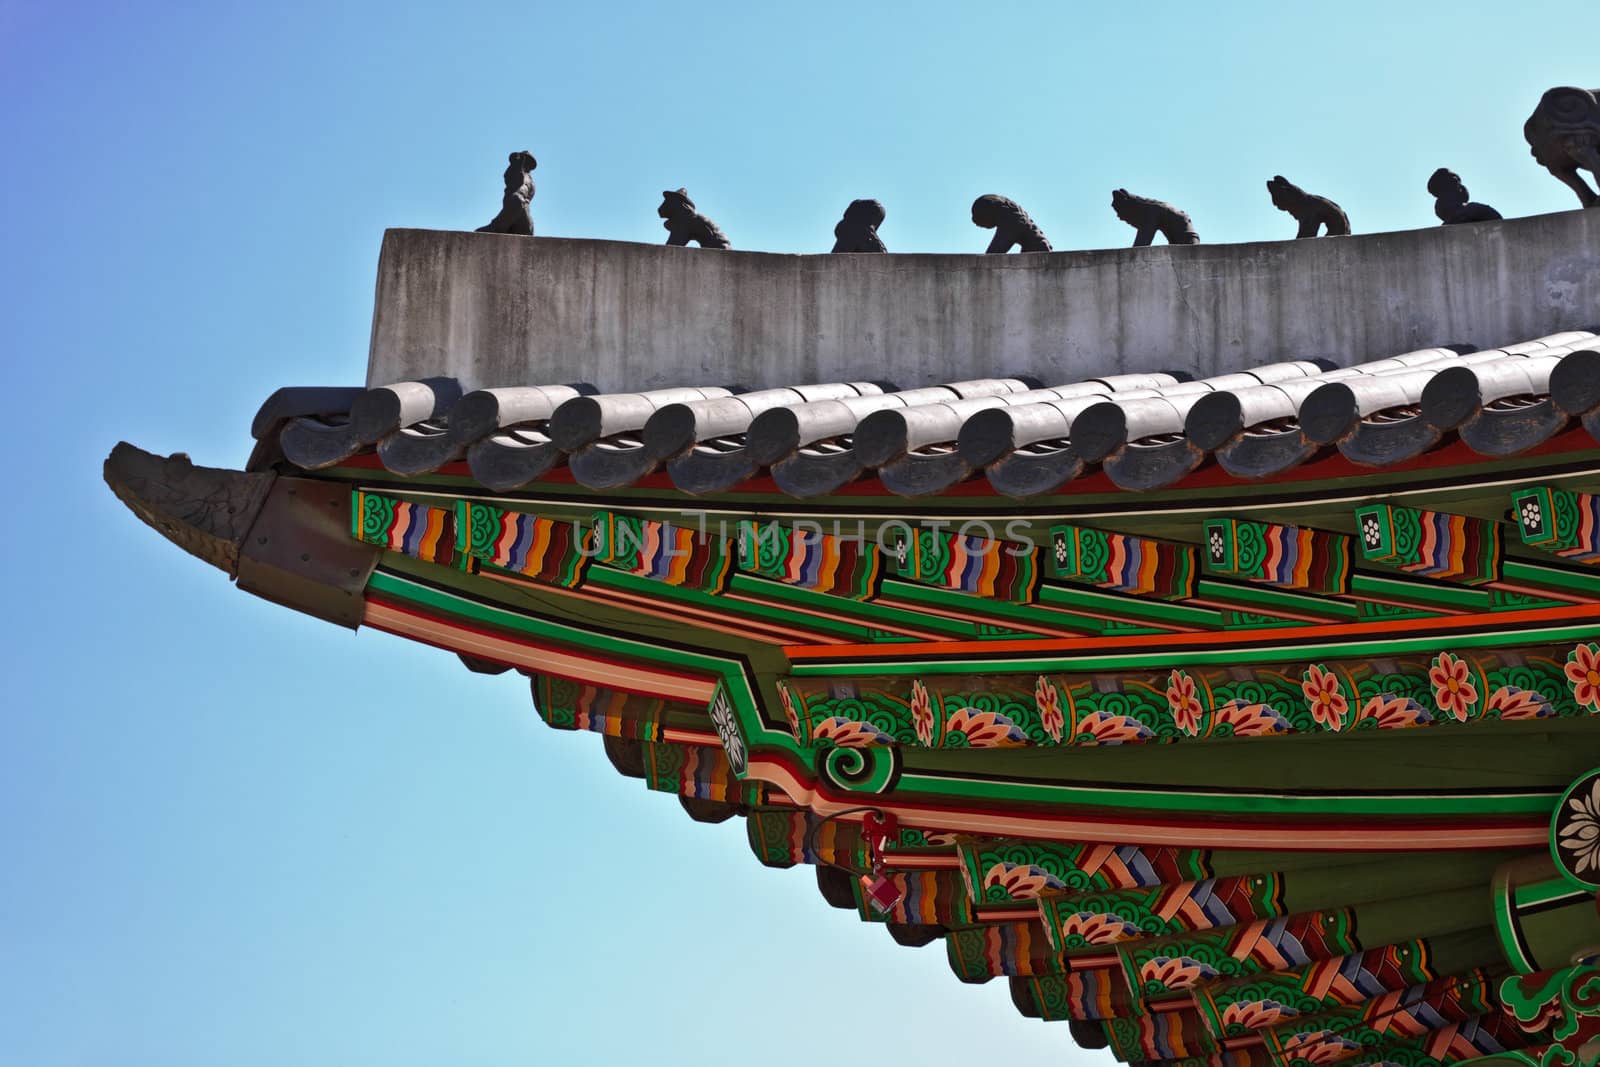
(232, 835)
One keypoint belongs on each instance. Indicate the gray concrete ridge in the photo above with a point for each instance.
(497, 310)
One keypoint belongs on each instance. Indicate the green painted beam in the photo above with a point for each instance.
(1416, 591)
(1563, 578)
(1134, 609)
(1244, 654)
(1265, 598)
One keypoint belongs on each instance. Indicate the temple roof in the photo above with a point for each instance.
(1146, 430)
(1262, 735)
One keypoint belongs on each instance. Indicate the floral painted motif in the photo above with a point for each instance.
(1583, 671)
(922, 712)
(1021, 881)
(1509, 702)
(1578, 831)
(1237, 718)
(1320, 1046)
(1184, 702)
(1102, 728)
(724, 721)
(1171, 974)
(1453, 690)
(786, 700)
(1255, 1014)
(1322, 692)
(1392, 712)
(847, 733)
(1095, 928)
(1048, 699)
(982, 729)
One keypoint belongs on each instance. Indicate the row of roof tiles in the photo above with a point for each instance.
(1146, 430)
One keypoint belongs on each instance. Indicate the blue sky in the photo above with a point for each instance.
(230, 834)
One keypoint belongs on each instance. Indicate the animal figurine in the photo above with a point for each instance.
(1564, 134)
(515, 216)
(1150, 216)
(858, 230)
(1011, 225)
(683, 224)
(1450, 201)
(1310, 211)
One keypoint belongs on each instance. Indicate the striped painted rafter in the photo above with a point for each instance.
(810, 559)
(675, 555)
(964, 563)
(1122, 563)
(1430, 544)
(1292, 557)
(1264, 576)
(545, 550)
(417, 530)
(1559, 521)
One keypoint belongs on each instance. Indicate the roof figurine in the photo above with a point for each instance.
(1011, 225)
(858, 230)
(515, 216)
(1152, 216)
(1451, 203)
(1564, 134)
(684, 224)
(1309, 210)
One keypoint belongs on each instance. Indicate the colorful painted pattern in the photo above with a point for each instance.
(1079, 923)
(1164, 967)
(1142, 708)
(1560, 521)
(1170, 1035)
(935, 898)
(808, 559)
(697, 771)
(1487, 1035)
(1582, 672)
(999, 570)
(1397, 1017)
(1575, 832)
(416, 530)
(1122, 563)
(783, 837)
(568, 705)
(1178, 705)
(999, 871)
(676, 555)
(1180, 964)
(1430, 544)
(546, 550)
(928, 717)
(1292, 557)
(1562, 1005)
(1238, 1008)
(1089, 993)
(1001, 949)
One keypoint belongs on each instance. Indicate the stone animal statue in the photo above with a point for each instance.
(1450, 201)
(1564, 134)
(683, 224)
(1310, 211)
(1149, 216)
(858, 230)
(515, 217)
(1011, 225)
